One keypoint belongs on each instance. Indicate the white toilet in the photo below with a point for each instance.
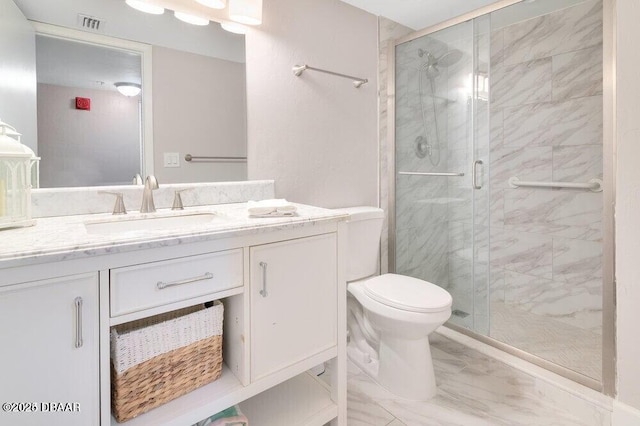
(390, 316)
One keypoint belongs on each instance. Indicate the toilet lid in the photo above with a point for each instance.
(407, 293)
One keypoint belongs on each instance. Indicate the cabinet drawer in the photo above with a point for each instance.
(140, 287)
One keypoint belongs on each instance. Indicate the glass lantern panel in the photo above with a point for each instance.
(14, 189)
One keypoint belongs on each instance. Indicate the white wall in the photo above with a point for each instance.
(628, 202)
(87, 148)
(316, 135)
(18, 73)
(199, 108)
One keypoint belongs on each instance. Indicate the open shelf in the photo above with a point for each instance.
(194, 406)
(301, 401)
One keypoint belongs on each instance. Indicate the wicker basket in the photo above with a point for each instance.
(157, 359)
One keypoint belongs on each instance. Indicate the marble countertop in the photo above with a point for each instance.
(66, 237)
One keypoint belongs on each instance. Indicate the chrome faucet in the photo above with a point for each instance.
(118, 207)
(150, 184)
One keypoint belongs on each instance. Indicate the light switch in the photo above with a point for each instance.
(172, 159)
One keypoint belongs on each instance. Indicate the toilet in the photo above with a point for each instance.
(390, 316)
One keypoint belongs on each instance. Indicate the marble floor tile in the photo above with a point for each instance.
(473, 390)
(573, 347)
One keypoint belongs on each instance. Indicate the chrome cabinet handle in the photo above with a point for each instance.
(263, 292)
(78, 303)
(474, 172)
(162, 285)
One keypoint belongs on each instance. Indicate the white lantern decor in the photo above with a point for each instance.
(15, 179)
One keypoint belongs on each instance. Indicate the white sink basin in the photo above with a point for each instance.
(151, 223)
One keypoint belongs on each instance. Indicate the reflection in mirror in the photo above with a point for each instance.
(196, 92)
(89, 133)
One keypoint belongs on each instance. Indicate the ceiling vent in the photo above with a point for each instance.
(90, 23)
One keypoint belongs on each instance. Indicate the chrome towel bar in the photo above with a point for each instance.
(431, 173)
(594, 185)
(357, 81)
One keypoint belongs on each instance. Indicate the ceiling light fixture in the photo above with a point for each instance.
(234, 27)
(230, 13)
(214, 4)
(191, 19)
(144, 6)
(128, 89)
(247, 12)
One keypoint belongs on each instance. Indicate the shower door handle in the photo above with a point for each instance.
(474, 174)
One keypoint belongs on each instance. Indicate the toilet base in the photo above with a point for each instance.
(363, 361)
(404, 367)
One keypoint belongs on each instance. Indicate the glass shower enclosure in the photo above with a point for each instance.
(498, 175)
(442, 140)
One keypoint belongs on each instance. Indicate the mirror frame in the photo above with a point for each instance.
(145, 52)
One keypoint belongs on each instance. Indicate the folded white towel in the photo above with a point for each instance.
(269, 208)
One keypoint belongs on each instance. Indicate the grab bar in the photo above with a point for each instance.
(190, 158)
(431, 173)
(594, 185)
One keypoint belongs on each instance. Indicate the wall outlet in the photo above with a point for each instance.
(172, 159)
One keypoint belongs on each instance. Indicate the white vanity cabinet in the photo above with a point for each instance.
(49, 352)
(293, 302)
(284, 297)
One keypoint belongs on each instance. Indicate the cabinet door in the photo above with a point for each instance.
(293, 302)
(49, 355)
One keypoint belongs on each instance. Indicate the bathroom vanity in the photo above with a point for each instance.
(67, 280)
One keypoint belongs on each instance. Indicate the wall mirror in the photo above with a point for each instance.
(192, 98)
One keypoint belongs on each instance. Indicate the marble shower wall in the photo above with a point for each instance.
(423, 211)
(546, 125)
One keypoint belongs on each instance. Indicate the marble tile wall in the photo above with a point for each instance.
(546, 125)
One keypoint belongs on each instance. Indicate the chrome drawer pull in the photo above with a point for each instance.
(263, 292)
(78, 303)
(162, 285)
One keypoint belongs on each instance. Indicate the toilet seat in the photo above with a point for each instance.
(407, 293)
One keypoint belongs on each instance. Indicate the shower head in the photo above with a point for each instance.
(449, 58)
(446, 60)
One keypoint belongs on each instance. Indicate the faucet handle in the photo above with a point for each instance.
(118, 207)
(151, 182)
(177, 199)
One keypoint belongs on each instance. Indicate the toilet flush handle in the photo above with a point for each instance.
(263, 292)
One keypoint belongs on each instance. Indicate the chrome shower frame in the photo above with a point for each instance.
(607, 385)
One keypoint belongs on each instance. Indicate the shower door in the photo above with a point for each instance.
(498, 190)
(441, 164)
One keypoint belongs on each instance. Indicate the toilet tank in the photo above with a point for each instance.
(364, 229)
